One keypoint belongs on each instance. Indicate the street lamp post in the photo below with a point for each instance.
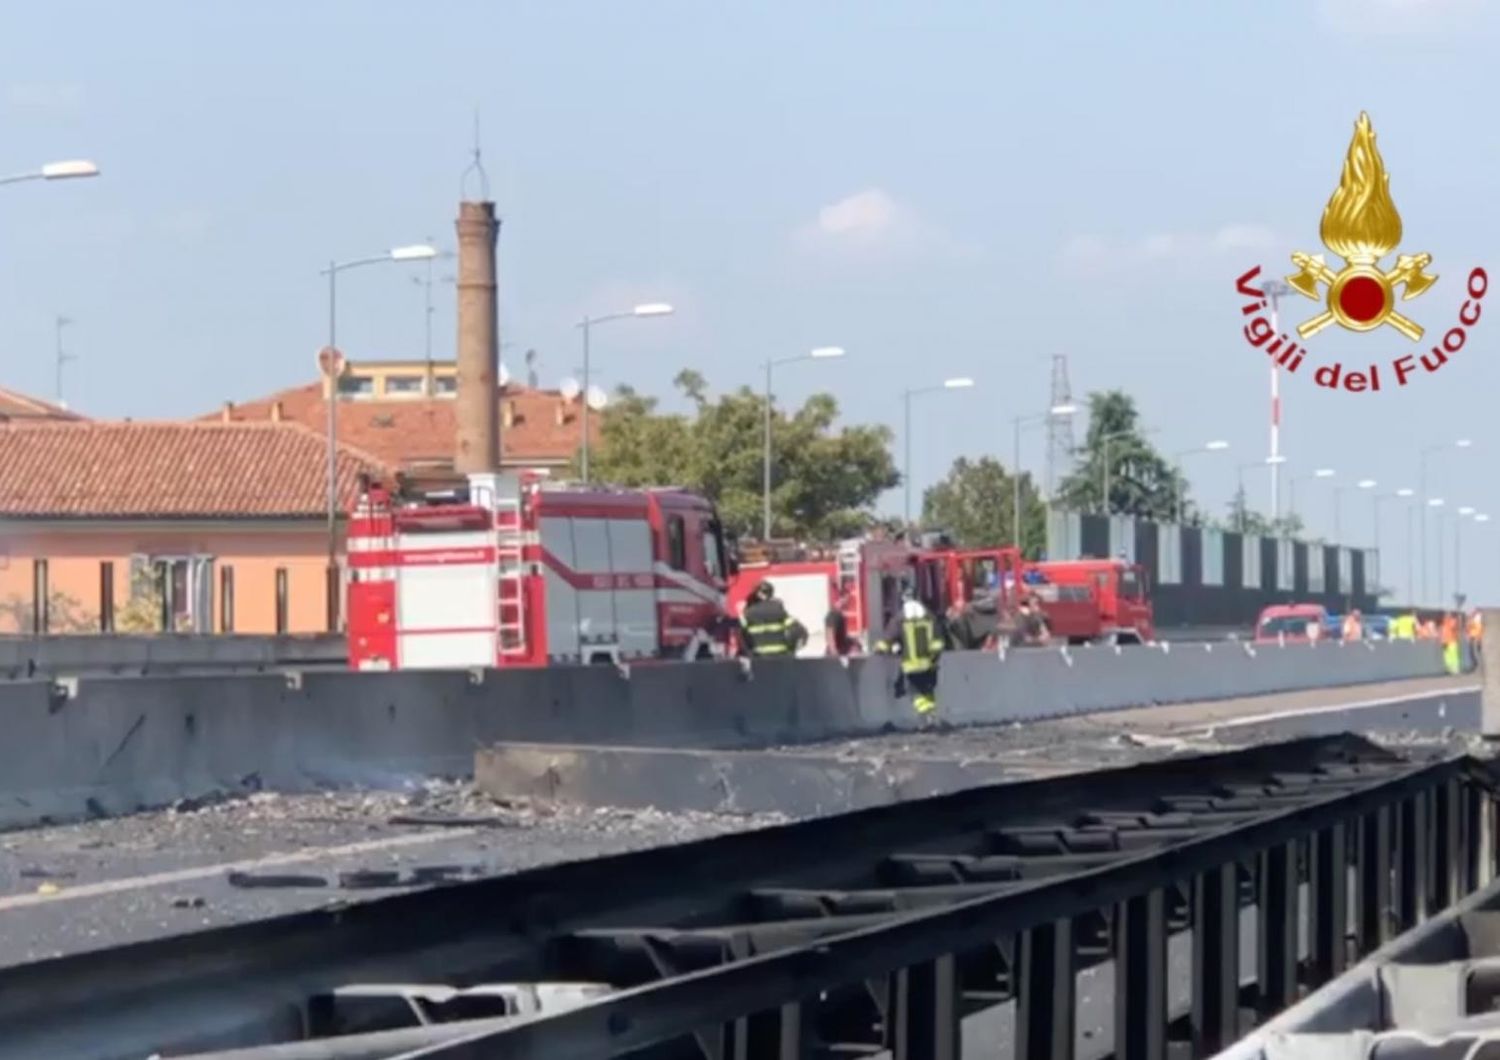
(1055, 412)
(1375, 502)
(1435, 502)
(71, 170)
(413, 252)
(1458, 538)
(1427, 451)
(958, 383)
(821, 353)
(1322, 472)
(1271, 462)
(647, 309)
(1215, 446)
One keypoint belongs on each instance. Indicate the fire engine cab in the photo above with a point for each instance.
(516, 571)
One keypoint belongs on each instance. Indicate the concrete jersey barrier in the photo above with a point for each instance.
(102, 745)
(146, 653)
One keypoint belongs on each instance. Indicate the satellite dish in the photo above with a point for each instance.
(504, 375)
(570, 389)
(597, 398)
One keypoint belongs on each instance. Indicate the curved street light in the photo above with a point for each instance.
(821, 353)
(1218, 445)
(956, 383)
(645, 309)
(1056, 412)
(72, 169)
(407, 252)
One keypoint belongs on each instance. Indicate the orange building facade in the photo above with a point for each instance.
(137, 527)
(220, 524)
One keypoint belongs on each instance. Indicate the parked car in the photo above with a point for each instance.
(1290, 622)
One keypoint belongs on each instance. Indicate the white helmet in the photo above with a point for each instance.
(913, 610)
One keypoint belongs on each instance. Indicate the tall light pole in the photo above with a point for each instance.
(1273, 291)
(71, 170)
(1428, 451)
(956, 383)
(1375, 502)
(411, 252)
(1458, 539)
(1239, 471)
(819, 354)
(646, 309)
(1322, 472)
(1436, 503)
(60, 356)
(1056, 412)
(1216, 446)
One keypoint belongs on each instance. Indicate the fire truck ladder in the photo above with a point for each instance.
(510, 619)
(849, 587)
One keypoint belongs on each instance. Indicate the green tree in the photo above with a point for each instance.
(825, 479)
(65, 614)
(1244, 520)
(975, 501)
(1141, 482)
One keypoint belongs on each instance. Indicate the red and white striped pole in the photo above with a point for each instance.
(1273, 292)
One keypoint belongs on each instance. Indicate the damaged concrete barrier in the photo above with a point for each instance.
(112, 744)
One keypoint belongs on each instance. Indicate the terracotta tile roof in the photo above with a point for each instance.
(17, 406)
(170, 470)
(542, 428)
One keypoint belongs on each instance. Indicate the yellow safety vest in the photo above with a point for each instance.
(920, 645)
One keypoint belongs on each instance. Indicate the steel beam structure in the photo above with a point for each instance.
(882, 931)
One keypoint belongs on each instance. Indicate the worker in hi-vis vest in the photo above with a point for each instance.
(769, 630)
(1450, 643)
(914, 636)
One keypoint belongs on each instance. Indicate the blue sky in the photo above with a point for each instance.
(942, 188)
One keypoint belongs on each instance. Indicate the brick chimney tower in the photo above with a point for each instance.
(476, 402)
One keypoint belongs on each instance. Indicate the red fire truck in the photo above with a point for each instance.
(1121, 601)
(1082, 600)
(514, 571)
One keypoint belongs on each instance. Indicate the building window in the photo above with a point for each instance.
(713, 551)
(403, 385)
(174, 593)
(676, 543)
(356, 386)
(445, 385)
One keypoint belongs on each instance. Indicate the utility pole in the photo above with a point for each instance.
(61, 357)
(1273, 292)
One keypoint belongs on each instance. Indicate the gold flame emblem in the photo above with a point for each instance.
(1360, 224)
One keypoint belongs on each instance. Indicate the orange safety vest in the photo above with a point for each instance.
(1450, 630)
(1476, 626)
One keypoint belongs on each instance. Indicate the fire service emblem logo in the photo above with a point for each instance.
(1360, 225)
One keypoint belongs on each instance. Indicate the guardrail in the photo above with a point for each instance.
(902, 929)
(1431, 993)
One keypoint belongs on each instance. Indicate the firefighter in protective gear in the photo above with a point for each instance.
(914, 636)
(769, 630)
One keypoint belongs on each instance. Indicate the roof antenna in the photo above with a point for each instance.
(476, 167)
